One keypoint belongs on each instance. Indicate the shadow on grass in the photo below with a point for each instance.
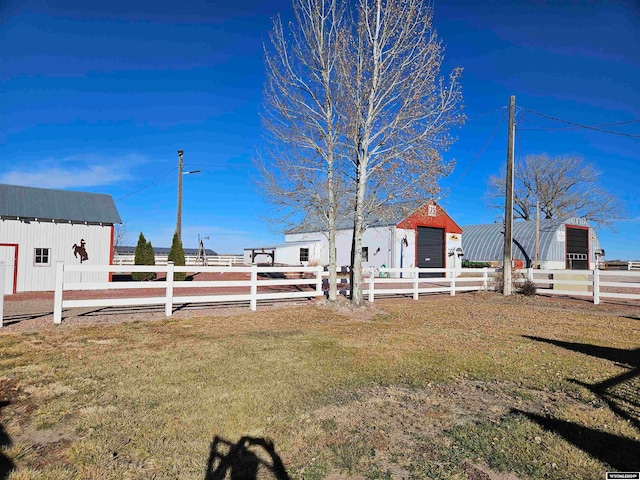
(620, 393)
(619, 452)
(6, 464)
(243, 460)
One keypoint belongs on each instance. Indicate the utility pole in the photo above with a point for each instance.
(508, 205)
(179, 214)
(535, 263)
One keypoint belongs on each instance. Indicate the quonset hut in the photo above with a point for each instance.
(563, 244)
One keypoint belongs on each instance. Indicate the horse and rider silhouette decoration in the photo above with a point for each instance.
(80, 250)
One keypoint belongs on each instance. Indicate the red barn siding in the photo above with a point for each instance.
(421, 218)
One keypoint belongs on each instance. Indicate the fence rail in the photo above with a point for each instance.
(190, 260)
(595, 284)
(633, 266)
(169, 286)
(598, 283)
(410, 281)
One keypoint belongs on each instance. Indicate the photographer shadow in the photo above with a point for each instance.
(244, 460)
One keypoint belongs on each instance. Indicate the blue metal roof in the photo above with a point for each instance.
(61, 205)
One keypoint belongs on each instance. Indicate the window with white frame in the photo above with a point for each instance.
(304, 254)
(365, 254)
(42, 257)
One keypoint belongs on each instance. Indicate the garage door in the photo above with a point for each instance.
(577, 248)
(430, 249)
(8, 255)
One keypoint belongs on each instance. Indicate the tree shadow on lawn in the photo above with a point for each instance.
(619, 452)
(620, 393)
(244, 459)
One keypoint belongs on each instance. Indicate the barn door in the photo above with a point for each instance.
(9, 255)
(430, 250)
(577, 248)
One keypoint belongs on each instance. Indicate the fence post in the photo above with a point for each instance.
(319, 290)
(168, 308)
(485, 278)
(2, 276)
(416, 280)
(57, 296)
(372, 279)
(530, 274)
(453, 283)
(596, 286)
(253, 303)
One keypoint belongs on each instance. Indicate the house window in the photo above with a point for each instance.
(42, 257)
(304, 254)
(431, 210)
(365, 254)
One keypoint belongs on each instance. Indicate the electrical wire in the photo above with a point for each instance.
(147, 186)
(579, 125)
(480, 152)
(573, 128)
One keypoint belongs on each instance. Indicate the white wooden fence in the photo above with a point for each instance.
(633, 266)
(127, 259)
(168, 286)
(595, 284)
(443, 280)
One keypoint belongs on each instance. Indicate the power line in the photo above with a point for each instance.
(147, 186)
(588, 127)
(573, 128)
(211, 165)
(480, 152)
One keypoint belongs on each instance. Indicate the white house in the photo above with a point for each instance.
(426, 238)
(40, 226)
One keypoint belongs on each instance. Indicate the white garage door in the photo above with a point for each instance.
(8, 256)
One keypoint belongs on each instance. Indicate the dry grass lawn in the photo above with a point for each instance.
(466, 387)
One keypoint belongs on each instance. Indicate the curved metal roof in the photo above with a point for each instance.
(485, 243)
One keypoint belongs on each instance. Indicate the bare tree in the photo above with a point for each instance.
(398, 111)
(565, 186)
(300, 169)
(120, 234)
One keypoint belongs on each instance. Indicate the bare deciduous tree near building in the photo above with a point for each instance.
(565, 186)
(357, 112)
(399, 111)
(301, 174)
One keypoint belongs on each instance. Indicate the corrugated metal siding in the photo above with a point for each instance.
(486, 242)
(42, 203)
(59, 238)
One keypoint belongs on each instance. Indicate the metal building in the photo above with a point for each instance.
(397, 236)
(40, 226)
(563, 244)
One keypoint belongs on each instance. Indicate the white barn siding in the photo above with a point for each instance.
(59, 238)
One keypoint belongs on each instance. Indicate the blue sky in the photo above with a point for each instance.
(99, 96)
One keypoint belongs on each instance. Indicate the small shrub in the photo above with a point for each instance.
(176, 255)
(527, 287)
(143, 256)
(470, 264)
